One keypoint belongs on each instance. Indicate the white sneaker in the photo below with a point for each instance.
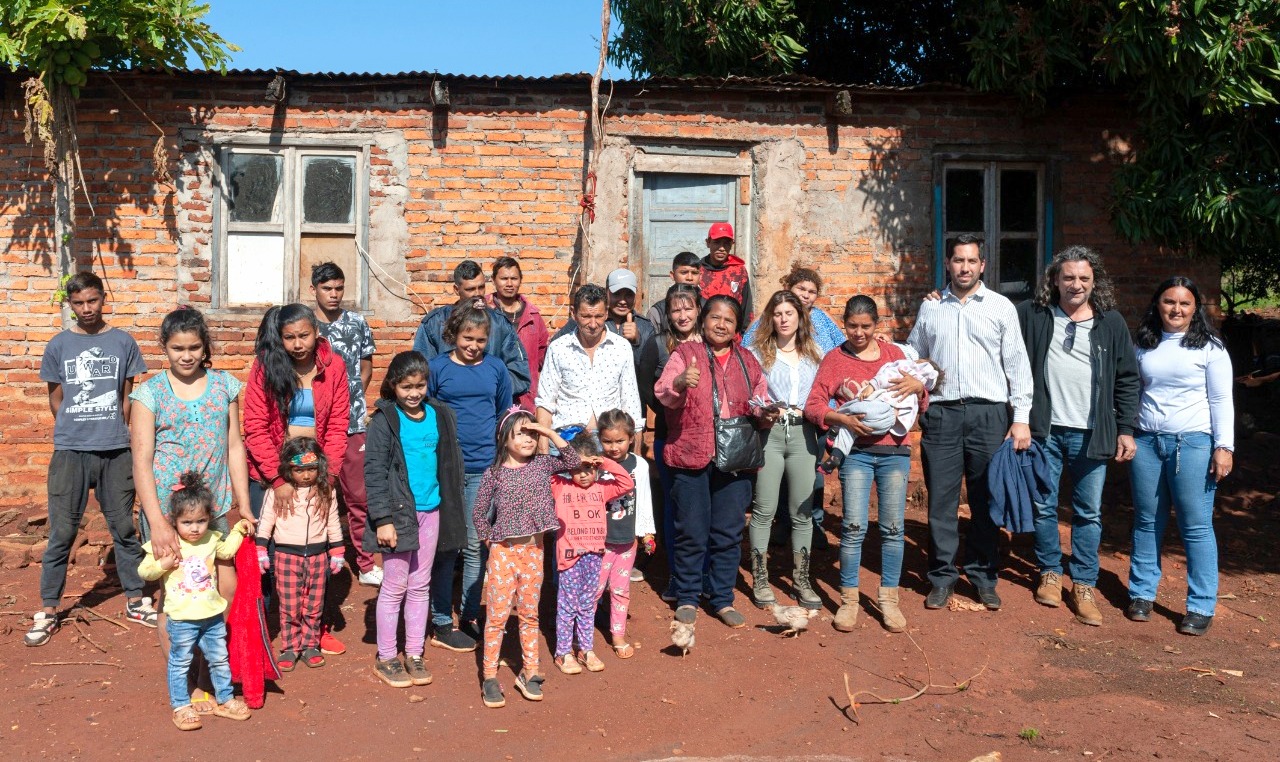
(637, 575)
(372, 578)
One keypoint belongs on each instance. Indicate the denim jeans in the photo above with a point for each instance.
(210, 635)
(889, 475)
(1174, 468)
(668, 536)
(711, 512)
(1066, 448)
(472, 566)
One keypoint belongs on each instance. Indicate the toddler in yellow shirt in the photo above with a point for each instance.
(192, 605)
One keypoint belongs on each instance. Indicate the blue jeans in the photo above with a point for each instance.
(711, 512)
(472, 567)
(1067, 448)
(210, 635)
(665, 478)
(1174, 468)
(889, 475)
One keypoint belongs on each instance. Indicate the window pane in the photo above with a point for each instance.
(1018, 266)
(1019, 200)
(340, 249)
(328, 188)
(255, 268)
(255, 187)
(964, 200)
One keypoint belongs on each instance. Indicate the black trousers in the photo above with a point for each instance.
(72, 473)
(958, 442)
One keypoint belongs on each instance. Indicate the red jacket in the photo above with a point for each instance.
(534, 337)
(691, 438)
(730, 279)
(264, 425)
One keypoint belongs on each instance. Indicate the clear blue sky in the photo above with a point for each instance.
(529, 37)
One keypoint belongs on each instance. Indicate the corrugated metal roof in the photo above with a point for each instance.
(732, 82)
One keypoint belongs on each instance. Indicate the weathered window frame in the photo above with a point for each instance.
(291, 225)
(992, 164)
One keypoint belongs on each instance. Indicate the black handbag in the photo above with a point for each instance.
(738, 445)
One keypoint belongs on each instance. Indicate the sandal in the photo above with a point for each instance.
(312, 657)
(624, 651)
(185, 718)
(287, 660)
(201, 697)
(568, 665)
(592, 662)
(235, 709)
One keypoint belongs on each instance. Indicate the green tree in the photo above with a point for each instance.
(706, 37)
(1204, 77)
(64, 44)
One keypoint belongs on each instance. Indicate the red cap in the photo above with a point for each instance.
(720, 230)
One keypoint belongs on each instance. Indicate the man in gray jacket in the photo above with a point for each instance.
(1083, 409)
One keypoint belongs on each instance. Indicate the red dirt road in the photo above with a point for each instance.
(1121, 691)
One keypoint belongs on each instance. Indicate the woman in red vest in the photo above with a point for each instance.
(710, 504)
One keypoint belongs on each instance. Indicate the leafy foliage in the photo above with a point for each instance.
(1204, 76)
(707, 37)
(63, 40)
(884, 42)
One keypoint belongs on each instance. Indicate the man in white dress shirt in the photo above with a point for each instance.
(972, 334)
(588, 371)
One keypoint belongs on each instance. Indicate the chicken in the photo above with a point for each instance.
(793, 618)
(682, 636)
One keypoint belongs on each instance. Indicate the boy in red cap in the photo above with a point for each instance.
(723, 273)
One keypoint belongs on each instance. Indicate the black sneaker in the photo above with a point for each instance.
(833, 462)
(1139, 610)
(472, 629)
(530, 688)
(989, 598)
(491, 693)
(417, 670)
(392, 673)
(939, 596)
(686, 614)
(445, 636)
(1195, 624)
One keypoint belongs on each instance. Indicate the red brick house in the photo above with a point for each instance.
(398, 185)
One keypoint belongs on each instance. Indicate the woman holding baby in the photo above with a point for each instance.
(883, 411)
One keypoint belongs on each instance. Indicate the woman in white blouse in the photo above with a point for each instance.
(1185, 442)
(786, 349)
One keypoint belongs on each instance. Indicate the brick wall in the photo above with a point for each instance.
(499, 174)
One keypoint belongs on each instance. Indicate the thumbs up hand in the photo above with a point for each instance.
(689, 379)
(629, 331)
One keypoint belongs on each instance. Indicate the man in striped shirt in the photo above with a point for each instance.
(972, 334)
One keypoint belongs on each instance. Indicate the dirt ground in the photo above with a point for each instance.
(1045, 685)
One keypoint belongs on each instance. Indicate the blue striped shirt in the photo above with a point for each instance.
(978, 345)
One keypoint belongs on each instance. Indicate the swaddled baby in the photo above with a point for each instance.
(880, 410)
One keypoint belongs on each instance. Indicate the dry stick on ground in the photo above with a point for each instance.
(75, 664)
(75, 622)
(91, 612)
(928, 684)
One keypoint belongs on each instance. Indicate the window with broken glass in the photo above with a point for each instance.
(282, 210)
(1004, 203)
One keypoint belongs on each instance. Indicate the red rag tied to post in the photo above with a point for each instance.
(588, 202)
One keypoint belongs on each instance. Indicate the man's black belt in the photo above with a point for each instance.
(966, 401)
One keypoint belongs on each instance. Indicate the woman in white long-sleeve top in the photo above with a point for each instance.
(1185, 441)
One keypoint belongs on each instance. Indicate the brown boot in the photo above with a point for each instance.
(891, 615)
(1049, 591)
(1087, 611)
(847, 614)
